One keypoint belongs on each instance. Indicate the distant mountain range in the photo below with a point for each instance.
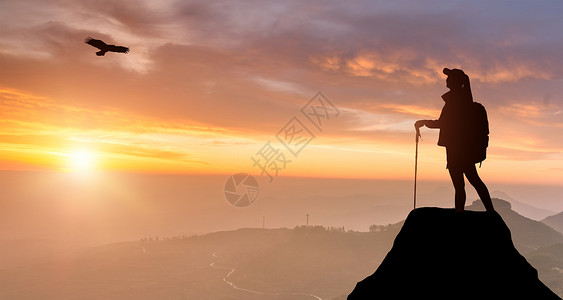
(522, 208)
(555, 221)
(120, 207)
(306, 262)
(527, 234)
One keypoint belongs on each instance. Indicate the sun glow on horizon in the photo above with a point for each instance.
(81, 161)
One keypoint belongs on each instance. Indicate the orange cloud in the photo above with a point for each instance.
(211, 85)
(47, 131)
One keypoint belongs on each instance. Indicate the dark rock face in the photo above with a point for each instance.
(440, 254)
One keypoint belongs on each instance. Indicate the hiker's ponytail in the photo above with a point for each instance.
(466, 86)
(462, 81)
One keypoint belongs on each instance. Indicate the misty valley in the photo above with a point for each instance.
(305, 262)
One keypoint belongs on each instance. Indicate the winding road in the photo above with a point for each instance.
(234, 286)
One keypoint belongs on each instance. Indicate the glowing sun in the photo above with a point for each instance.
(82, 160)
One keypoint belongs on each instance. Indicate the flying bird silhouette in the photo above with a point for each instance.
(105, 47)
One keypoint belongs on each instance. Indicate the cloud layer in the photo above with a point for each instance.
(246, 67)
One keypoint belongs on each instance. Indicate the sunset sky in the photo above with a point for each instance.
(208, 83)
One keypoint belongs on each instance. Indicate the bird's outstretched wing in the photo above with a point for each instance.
(105, 47)
(96, 43)
(119, 49)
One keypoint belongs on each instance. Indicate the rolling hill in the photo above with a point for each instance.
(306, 262)
(555, 222)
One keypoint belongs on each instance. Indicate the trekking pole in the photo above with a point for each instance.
(416, 164)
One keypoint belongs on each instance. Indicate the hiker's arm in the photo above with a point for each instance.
(427, 123)
(433, 123)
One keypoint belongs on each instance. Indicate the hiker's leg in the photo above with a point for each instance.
(480, 187)
(459, 185)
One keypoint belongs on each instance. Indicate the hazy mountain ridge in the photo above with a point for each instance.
(555, 221)
(313, 260)
(525, 209)
(527, 234)
(328, 261)
(59, 207)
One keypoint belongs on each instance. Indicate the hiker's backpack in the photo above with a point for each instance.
(480, 133)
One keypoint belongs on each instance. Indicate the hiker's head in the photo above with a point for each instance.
(458, 81)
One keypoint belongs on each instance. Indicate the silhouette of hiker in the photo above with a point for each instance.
(456, 124)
